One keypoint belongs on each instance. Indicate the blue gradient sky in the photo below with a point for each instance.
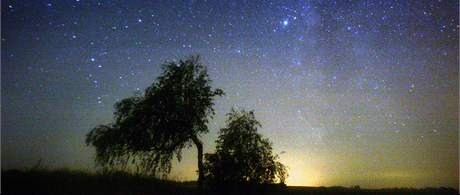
(355, 92)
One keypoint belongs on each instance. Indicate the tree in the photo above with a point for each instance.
(243, 155)
(149, 129)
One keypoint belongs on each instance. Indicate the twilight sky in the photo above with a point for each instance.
(354, 92)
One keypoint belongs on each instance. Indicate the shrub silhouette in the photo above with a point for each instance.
(150, 128)
(242, 155)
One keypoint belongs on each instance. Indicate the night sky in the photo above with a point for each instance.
(349, 92)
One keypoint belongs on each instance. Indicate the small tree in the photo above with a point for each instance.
(150, 128)
(243, 155)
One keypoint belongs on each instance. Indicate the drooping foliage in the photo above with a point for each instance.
(149, 129)
(243, 155)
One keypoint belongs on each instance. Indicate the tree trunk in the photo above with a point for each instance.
(199, 147)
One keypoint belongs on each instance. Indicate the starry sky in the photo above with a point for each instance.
(349, 92)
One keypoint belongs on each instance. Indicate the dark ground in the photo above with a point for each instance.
(75, 182)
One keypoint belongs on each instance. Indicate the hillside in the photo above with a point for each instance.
(77, 182)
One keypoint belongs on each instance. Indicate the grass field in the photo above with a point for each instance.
(77, 182)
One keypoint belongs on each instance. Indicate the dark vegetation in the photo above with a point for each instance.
(77, 182)
(149, 129)
(243, 155)
(152, 127)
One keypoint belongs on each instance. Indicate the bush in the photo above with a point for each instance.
(243, 156)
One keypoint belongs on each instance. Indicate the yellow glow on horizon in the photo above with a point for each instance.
(300, 172)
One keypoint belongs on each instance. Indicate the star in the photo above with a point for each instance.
(285, 23)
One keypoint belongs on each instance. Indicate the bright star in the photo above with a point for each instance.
(285, 22)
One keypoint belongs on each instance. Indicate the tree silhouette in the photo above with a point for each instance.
(243, 155)
(153, 127)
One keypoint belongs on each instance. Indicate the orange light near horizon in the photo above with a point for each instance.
(301, 173)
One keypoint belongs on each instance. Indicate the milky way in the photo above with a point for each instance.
(349, 92)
